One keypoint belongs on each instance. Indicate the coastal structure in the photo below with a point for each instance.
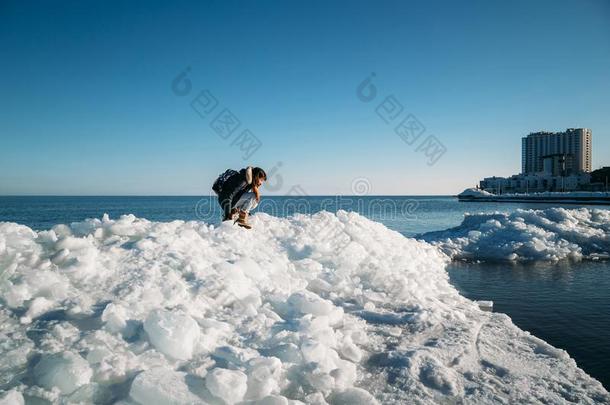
(550, 162)
(536, 183)
(557, 153)
(556, 167)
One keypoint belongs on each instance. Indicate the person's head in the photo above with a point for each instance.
(258, 176)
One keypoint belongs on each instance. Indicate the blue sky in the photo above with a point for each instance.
(87, 106)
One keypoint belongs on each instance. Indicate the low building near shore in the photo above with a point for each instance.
(535, 183)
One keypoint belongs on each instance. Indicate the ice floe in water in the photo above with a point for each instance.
(315, 309)
(528, 235)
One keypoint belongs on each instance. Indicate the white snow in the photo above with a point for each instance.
(526, 235)
(319, 309)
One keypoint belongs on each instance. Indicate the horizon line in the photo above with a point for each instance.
(212, 195)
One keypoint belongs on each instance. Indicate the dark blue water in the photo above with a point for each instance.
(408, 215)
(566, 304)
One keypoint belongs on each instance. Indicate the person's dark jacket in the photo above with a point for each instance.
(233, 188)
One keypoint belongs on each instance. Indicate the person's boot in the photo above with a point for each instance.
(231, 216)
(242, 220)
(233, 213)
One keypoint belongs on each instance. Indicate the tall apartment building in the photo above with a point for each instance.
(557, 152)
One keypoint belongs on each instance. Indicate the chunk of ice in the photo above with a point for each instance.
(173, 333)
(66, 371)
(485, 305)
(353, 396)
(228, 385)
(12, 397)
(161, 386)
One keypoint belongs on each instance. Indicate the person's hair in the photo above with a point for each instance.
(258, 172)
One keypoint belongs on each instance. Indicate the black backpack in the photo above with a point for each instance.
(220, 181)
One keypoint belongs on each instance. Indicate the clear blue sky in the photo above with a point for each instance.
(86, 103)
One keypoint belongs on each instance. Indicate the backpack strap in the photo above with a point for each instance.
(249, 175)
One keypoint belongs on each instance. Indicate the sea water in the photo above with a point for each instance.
(566, 304)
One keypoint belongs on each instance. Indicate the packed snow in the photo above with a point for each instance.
(528, 235)
(320, 309)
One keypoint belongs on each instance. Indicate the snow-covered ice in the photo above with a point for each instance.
(328, 308)
(64, 370)
(527, 235)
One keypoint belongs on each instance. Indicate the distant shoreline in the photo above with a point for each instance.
(213, 195)
(538, 199)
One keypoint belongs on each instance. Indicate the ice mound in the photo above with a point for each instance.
(321, 309)
(527, 235)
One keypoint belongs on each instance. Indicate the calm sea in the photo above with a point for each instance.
(566, 304)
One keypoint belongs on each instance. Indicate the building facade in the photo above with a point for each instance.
(557, 153)
(535, 183)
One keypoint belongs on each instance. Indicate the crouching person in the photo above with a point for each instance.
(238, 193)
